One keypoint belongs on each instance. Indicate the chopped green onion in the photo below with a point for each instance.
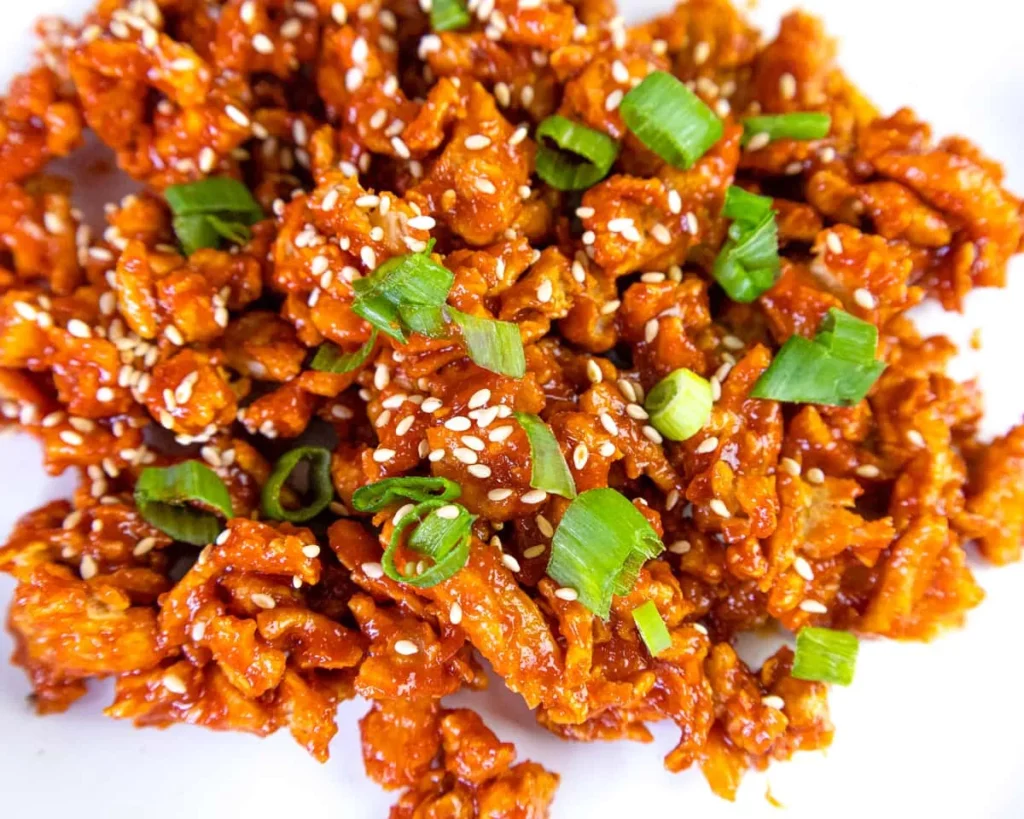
(599, 546)
(670, 119)
(492, 344)
(680, 404)
(583, 156)
(319, 460)
(330, 359)
(166, 498)
(426, 319)
(847, 337)
(550, 471)
(745, 207)
(445, 540)
(448, 15)
(652, 628)
(836, 369)
(389, 491)
(748, 263)
(802, 125)
(210, 209)
(825, 655)
(414, 280)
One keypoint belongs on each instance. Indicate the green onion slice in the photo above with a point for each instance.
(836, 369)
(825, 655)
(550, 471)
(208, 210)
(387, 492)
(680, 404)
(748, 263)
(802, 125)
(492, 344)
(448, 15)
(319, 459)
(444, 540)
(670, 119)
(414, 280)
(599, 546)
(330, 359)
(581, 159)
(652, 628)
(186, 501)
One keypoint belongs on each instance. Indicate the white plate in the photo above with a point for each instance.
(926, 730)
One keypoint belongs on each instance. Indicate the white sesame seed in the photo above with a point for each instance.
(566, 593)
(915, 438)
(222, 538)
(383, 455)
(431, 405)
(773, 701)
(868, 471)
(610, 307)
(580, 455)
(174, 683)
(264, 601)
(479, 399)
(237, 116)
(594, 371)
(717, 505)
(789, 466)
(803, 568)
(262, 44)
(71, 438)
(373, 570)
(518, 135)
(651, 330)
(613, 100)
(787, 86)
(864, 298)
(404, 425)
(833, 242)
(79, 329)
(707, 445)
(680, 547)
(758, 141)
(813, 607)
(353, 78)
(701, 52)
(499, 434)
(448, 512)
(500, 494)
(608, 423)
(406, 648)
(479, 471)
(88, 568)
(545, 291)
(606, 450)
(636, 412)
(652, 435)
(534, 551)
(510, 563)
(465, 455)
(458, 423)
(815, 475)
(534, 496)
(435, 455)
(455, 614)
(477, 142)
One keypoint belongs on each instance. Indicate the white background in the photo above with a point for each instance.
(926, 730)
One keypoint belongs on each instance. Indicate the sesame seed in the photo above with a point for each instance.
(477, 142)
(79, 328)
(594, 371)
(864, 298)
(479, 398)
(264, 601)
(915, 438)
(499, 434)
(613, 100)
(404, 425)
(651, 434)
(247, 12)
(406, 648)
(545, 526)
(680, 547)
(237, 116)
(458, 423)
(580, 455)
(88, 568)
(731, 342)
(518, 135)
(174, 683)
(510, 563)
(353, 78)
(773, 701)
(479, 471)
(661, 234)
(717, 505)
(636, 412)
(610, 307)
(465, 455)
(803, 568)
(435, 455)
(813, 607)
(262, 44)
(500, 494)
(567, 593)
(651, 330)
(534, 496)
(608, 423)
(383, 455)
(455, 614)
(144, 546)
(787, 86)
(311, 550)
(534, 551)
(707, 445)
(606, 450)
(373, 570)
(834, 243)
(815, 475)
(431, 405)
(868, 471)
(449, 512)
(789, 466)
(758, 141)
(71, 438)
(545, 291)
(222, 538)
(701, 52)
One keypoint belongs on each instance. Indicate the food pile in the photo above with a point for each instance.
(440, 336)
